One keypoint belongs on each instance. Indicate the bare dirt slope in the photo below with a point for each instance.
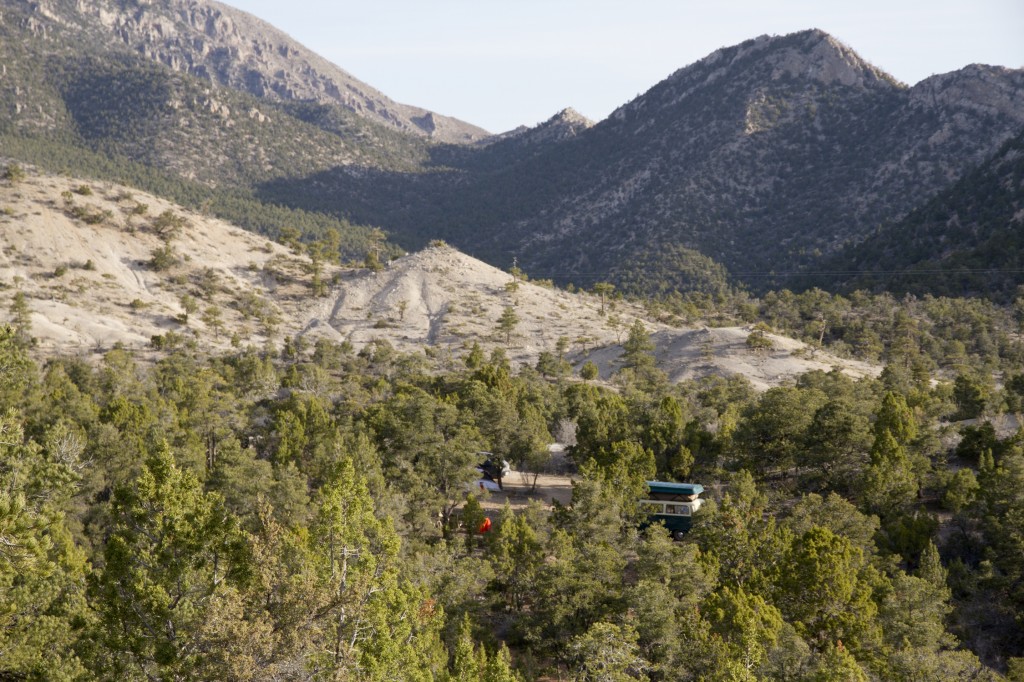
(82, 254)
(442, 298)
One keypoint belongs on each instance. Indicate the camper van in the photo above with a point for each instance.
(672, 504)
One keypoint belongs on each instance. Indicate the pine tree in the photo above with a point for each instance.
(466, 665)
(499, 668)
(819, 590)
(18, 373)
(21, 320)
(369, 619)
(836, 664)
(897, 418)
(637, 350)
(173, 548)
(507, 323)
(603, 289)
(890, 482)
(516, 556)
(607, 653)
(746, 623)
(43, 611)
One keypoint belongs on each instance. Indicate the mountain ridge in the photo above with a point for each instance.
(232, 48)
(742, 158)
(765, 157)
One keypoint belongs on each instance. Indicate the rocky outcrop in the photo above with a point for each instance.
(565, 125)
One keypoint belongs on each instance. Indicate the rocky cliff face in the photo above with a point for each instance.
(233, 49)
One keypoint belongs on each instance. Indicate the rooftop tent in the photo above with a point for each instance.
(664, 488)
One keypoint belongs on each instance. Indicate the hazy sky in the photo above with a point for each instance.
(502, 64)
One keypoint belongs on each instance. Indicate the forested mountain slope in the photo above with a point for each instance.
(287, 511)
(762, 156)
(965, 241)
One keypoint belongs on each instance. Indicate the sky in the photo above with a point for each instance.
(499, 65)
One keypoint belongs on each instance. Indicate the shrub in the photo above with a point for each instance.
(14, 173)
(168, 225)
(163, 258)
(757, 340)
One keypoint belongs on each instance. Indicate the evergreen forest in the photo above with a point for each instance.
(300, 512)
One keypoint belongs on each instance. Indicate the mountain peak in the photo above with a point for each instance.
(569, 116)
(823, 57)
(566, 124)
(232, 48)
(811, 54)
(811, 57)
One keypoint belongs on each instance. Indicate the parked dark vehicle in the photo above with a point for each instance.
(672, 504)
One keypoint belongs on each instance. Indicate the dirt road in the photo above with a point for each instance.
(517, 491)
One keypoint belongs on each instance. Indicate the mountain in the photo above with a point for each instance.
(70, 78)
(564, 125)
(227, 48)
(759, 163)
(763, 156)
(75, 98)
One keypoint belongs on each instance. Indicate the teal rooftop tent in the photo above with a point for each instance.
(682, 489)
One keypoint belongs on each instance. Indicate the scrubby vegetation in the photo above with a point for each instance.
(233, 205)
(911, 335)
(296, 514)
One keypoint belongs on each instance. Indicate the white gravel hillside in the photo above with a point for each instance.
(90, 286)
